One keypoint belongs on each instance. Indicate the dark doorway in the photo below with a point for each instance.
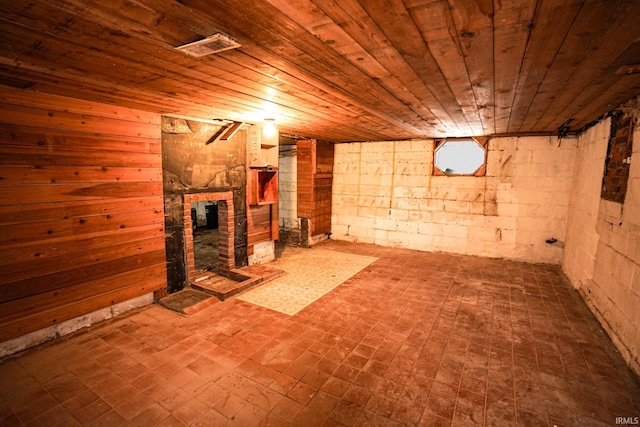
(204, 217)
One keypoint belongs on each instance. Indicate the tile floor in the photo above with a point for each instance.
(310, 274)
(413, 339)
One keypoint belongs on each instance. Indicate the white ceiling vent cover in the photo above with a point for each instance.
(218, 42)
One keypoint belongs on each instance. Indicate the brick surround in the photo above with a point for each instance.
(614, 182)
(226, 217)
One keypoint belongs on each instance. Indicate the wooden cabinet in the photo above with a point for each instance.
(315, 179)
(262, 186)
(263, 150)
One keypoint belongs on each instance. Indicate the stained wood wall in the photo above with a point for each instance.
(315, 180)
(81, 209)
(262, 207)
(259, 225)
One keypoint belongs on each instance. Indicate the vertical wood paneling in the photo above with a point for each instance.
(81, 208)
(306, 160)
(322, 185)
(315, 178)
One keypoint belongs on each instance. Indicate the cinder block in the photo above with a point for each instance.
(398, 214)
(421, 242)
(432, 205)
(507, 143)
(350, 179)
(405, 203)
(401, 191)
(341, 149)
(541, 143)
(369, 188)
(622, 270)
(381, 237)
(430, 229)
(407, 227)
(385, 224)
(483, 235)
(415, 215)
(454, 245)
(456, 207)
(338, 230)
(610, 209)
(398, 240)
(633, 247)
(455, 230)
(478, 208)
(419, 145)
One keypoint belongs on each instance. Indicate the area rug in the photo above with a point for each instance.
(311, 273)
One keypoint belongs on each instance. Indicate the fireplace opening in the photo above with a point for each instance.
(204, 219)
(208, 234)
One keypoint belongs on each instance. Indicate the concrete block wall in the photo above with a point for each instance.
(263, 253)
(385, 193)
(582, 238)
(287, 188)
(602, 256)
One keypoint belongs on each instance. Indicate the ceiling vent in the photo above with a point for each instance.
(218, 42)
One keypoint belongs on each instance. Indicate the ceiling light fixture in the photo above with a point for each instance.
(269, 128)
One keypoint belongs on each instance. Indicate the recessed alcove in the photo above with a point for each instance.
(262, 187)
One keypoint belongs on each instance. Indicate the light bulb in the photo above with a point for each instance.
(269, 128)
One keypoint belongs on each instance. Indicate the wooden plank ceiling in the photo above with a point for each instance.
(340, 70)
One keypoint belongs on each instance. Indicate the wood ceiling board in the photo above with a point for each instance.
(189, 89)
(397, 25)
(582, 39)
(365, 31)
(341, 70)
(611, 96)
(552, 21)
(608, 90)
(372, 91)
(372, 111)
(511, 26)
(378, 68)
(310, 55)
(474, 25)
(198, 79)
(438, 30)
(599, 39)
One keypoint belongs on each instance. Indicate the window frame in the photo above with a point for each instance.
(481, 141)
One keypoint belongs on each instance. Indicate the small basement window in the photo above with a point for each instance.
(460, 156)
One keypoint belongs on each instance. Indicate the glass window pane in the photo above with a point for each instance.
(459, 157)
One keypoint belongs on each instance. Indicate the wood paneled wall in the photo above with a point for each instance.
(315, 180)
(81, 208)
(261, 224)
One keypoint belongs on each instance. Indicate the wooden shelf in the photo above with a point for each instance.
(263, 151)
(262, 186)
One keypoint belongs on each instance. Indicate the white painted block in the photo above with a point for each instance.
(456, 207)
(454, 230)
(421, 242)
(263, 252)
(508, 143)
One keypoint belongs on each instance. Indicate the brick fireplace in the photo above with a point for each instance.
(226, 218)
